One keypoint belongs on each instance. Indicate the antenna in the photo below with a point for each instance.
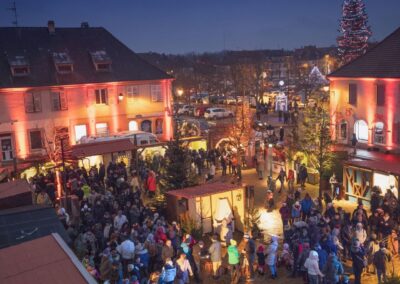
(13, 8)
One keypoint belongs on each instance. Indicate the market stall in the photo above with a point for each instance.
(359, 176)
(208, 205)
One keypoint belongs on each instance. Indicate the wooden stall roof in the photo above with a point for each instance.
(104, 147)
(44, 260)
(13, 188)
(380, 166)
(26, 223)
(203, 190)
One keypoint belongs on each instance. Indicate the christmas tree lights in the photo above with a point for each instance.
(354, 30)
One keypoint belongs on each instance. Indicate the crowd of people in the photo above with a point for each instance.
(321, 241)
(120, 238)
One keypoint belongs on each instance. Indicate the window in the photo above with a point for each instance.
(353, 94)
(132, 91)
(156, 95)
(33, 102)
(380, 95)
(146, 125)
(80, 131)
(379, 136)
(63, 62)
(133, 126)
(159, 126)
(101, 60)
(101, 96)
(101, 129)
(19, 66)
(361, 130)
(343, 130)
(35, 136)
(59, 101)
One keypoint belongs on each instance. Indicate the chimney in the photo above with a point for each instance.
(51, 27)
(84, 25)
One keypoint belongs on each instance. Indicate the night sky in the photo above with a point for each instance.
(180, 26)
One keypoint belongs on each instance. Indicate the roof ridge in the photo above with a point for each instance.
(379, 44)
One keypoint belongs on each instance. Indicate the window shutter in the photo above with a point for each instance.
(28, 99)
(55, 100)
(37, 102)
(380, 95)
(353, 94)
(63, 101)
(97, 94)
(104, 96)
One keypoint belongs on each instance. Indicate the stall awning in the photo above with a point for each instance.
(14, 188)
(203, 190)
(388, 167)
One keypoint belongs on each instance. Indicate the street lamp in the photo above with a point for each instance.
(326, 88)
(120, 97)
(179, 92)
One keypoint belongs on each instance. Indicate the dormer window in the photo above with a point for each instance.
(101, 60)
(63, 62)
(19, 66)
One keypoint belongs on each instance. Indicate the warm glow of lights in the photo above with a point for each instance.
(59, 185)
(270, 222)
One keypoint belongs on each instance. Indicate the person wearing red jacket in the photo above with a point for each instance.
(151, 183)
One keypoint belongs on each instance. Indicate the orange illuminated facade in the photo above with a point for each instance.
(101, 90)
(365, 96)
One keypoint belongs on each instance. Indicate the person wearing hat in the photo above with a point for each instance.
(312, 266)
(215, 255)
(381, 260)
(272, 256)
(127, 251)
(296, 211)
(250, 254)
(358, 257)
(233, 261)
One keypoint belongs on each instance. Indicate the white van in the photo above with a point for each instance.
(142, 138)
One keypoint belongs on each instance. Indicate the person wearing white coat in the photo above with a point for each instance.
(272, 252)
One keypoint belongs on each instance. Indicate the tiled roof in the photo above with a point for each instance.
(381, 61)
(36, 47)
(203, 190)
(44, 260)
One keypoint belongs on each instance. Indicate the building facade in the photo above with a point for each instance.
(67, 83)
(365, 96)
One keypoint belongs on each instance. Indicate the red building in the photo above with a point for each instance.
(66, 83)
(365, 95)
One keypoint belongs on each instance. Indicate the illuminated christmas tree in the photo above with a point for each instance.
(354, 30)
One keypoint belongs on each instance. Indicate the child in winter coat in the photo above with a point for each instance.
(260, 260)
(286, 257)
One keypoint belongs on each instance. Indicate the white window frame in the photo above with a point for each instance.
(79, 128)
(98, 93)
(103, 125)
(156, 93)
(132, 91)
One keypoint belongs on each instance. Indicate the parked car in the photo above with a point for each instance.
(186, 110)
(200, 110)
(214, 113)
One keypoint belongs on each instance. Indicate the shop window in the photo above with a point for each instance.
(379, 136)
(353, 94)
(80, 131)
(35, 137)
(361, 130)
(159, 126)
(133, 126)
(102, 129)
(343, 130)
(146, 126)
